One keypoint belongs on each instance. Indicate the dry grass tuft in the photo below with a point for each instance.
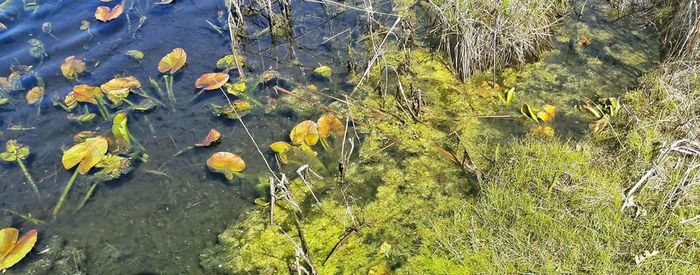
(482, 34)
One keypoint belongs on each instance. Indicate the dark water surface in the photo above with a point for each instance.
(159, 217)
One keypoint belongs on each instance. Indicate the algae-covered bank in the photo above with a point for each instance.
(349, 137)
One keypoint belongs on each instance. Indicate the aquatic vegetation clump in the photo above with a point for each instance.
(480, 35)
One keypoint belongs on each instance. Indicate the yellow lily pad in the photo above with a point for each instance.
(83, 93)
(118, 88)
(305, 133)
(173, 61)
(19, 249)
(330, 124)
(226, 163)
(35, 95)
(211, 81)
(87, 153)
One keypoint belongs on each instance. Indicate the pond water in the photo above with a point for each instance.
(160, 216)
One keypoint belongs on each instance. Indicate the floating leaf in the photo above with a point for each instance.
(88, 153)
(120, 131)
(330, 124)
(19, 249)
(35, 95)
(324, 71)
(14, 151)
(305, 133)
(135, 54)
(2, 27)
(211, 81)
(165, 2)
(280, 147)
(8, 238)
(105, 14)
(548, 113)
(118, 88)
(72, 67)
(173, 61)
(83, 93)
(226, 163)
(212, 137)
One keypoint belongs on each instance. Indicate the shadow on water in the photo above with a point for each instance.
(158, 218)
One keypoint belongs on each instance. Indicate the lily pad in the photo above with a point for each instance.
(12, 250)
(211, 81)
(87, 153)
(173, 62)
(226, 163)
(35, 95)
(14, 151)
(105, 14)
(305, 133)
(329, 124)
(547, 113)
(118, 88)
(83, 93)
(212, 137)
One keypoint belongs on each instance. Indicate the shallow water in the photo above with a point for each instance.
(159, 217)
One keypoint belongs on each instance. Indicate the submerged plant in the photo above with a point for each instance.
(86, 155)
(12, 248)
(323, 71)
(72, 67)
(228, 62)
(135, 54)
(226, 163)
(17, 152)
(240, 109)
(169, 65)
